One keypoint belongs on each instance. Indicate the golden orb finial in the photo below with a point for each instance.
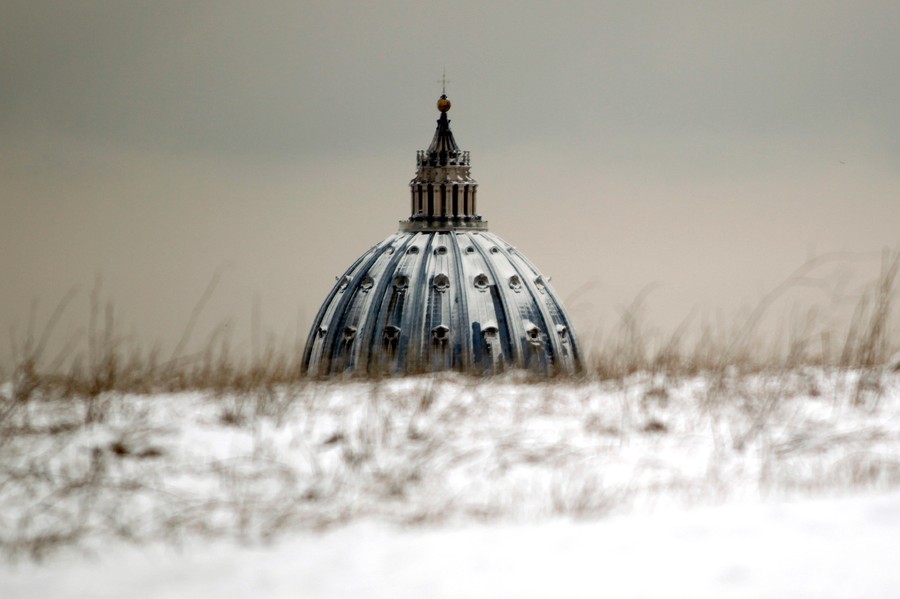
(443, 104)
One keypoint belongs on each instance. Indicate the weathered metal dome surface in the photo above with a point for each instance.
(443, 293)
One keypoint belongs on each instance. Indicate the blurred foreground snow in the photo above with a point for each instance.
(780, 484)
(814, 548)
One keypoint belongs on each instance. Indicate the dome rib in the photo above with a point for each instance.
(342, 349)
(315, 338)
(507, 325)
(534, 296)
(528, 275)
(462, 314)
(371, 332)
(554, 307)
(419, 300)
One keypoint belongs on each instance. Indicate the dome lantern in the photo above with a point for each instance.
(443, 190)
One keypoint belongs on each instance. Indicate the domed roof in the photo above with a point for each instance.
(443, 293)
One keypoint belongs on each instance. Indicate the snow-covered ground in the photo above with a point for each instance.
(813, 548)
(776, 485)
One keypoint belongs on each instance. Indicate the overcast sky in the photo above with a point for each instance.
(705, 147)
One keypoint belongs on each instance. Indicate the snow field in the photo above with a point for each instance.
(447, 486)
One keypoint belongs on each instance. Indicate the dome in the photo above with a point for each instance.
(443, 293)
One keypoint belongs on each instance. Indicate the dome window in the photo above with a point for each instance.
(481, 282)
(563, 331)
(441, 282)
(495, 250)
(489, 332)
(440, 250)
(470, 249)
(413, 250)
(322, 330)
(366, 284)
(344, 281)
(391, 333)
(533, 333)
(401, 282)
(440, 333)
(541, 286)
(515, 283)
(349, 332)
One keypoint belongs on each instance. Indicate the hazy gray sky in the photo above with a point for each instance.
(709, 147)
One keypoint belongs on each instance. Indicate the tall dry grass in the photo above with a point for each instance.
(806, 337)
(102, 360)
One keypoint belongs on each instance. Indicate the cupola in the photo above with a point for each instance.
(443, 292)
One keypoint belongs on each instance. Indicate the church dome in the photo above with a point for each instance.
(443, 293)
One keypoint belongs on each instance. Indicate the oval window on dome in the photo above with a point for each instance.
(440, 333)
(470, 249)
(533, 333)
(440, 250)
(349, 332)
(343, 282)
(489, 332)
(366, 284)
(515, 283)
(322, 330)
(391, 333)
(441, 282)
(539, 283)
(401, 282)
(563, 332)
(481, 282)
(495, 250)
(413, 250)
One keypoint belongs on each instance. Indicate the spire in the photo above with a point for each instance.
(443, 149)
(443, 191)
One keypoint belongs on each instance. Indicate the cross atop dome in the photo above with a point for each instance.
(444, 81)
